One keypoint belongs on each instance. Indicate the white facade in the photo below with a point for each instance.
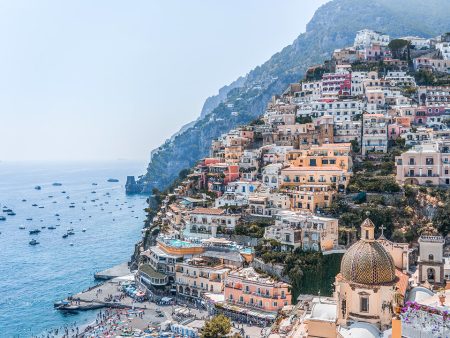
(366, 37)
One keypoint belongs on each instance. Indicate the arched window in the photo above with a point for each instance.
(430, 257)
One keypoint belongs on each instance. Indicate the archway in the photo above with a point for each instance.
(430, 275)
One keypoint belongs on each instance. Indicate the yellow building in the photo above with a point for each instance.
(310, 197)
(325, 156)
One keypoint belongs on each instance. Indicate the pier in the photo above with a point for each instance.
(114, 272)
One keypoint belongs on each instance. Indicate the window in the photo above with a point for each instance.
(430, 257)
(364, 304)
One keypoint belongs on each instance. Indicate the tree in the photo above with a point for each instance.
(218, 327)
(398, 48)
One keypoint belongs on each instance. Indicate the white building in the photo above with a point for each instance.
(310, 232)
(366, 38)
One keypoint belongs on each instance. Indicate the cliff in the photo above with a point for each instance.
(333, 26)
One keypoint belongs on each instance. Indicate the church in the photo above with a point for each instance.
(372, 286)
(367, 290)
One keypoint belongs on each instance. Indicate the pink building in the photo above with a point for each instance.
(246, 288)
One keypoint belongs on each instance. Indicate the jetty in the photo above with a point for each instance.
(114, 272)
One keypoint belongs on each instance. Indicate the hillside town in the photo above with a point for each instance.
(325, 217)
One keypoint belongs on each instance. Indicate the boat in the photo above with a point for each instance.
(51, 228)
(50, 196)
(7, 210)
(12, 213)
(38, 187)
(43, 227)
(56, 184)
(24, 200)
(29, 219)
(2, 218)
(93, 192)
(35, 231)
(71, 206)
(41, 207)
(84, 230)
(33, 242)
(113, 180)
(63, 192)
(34, 205)
(94, 183)
(56, 215)
(70, 233)
(65, 236)
(71, 244)
(21, 227)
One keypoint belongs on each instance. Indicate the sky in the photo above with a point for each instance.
(112, 79)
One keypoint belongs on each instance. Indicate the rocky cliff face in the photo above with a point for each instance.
(334, 25)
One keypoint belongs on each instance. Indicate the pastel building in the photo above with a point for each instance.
(428, 163)
(374, 137)
(304, 230)
(247, 289)
(200, 275)
(203, 222)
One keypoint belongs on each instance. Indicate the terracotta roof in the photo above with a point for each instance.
(208, 211)
(402, 283)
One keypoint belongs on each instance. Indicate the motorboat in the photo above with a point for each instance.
(7, 210)
(38, 187)
(43, 227)
(24, 200)
(33, 242)
(113, 180)
(65, 236)
(2, 218)
(71, 206)
(56, 215)
(56, 184)
(63, 192)
(93, 192)
(70, 233)
(84, 230)
(51, 227)
(22, 227)
(29, 219)
(12, 213)
(71, 244)
(41, 207)
(34, 205)
(35, 231)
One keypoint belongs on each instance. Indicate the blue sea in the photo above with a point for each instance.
(33, 277)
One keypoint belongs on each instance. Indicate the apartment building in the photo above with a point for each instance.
(374, 137)
(246, 288)
(196, 276)
(304, 230)
(203, 222)
(310, 197)
(427, 163)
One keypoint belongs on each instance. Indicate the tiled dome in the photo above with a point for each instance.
(367, 262)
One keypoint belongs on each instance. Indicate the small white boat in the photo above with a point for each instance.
(84, 230)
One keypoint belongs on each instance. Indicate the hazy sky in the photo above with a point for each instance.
(109, 79)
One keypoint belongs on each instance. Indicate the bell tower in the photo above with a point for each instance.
(367, 230)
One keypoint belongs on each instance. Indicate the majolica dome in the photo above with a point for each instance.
(366, 261)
